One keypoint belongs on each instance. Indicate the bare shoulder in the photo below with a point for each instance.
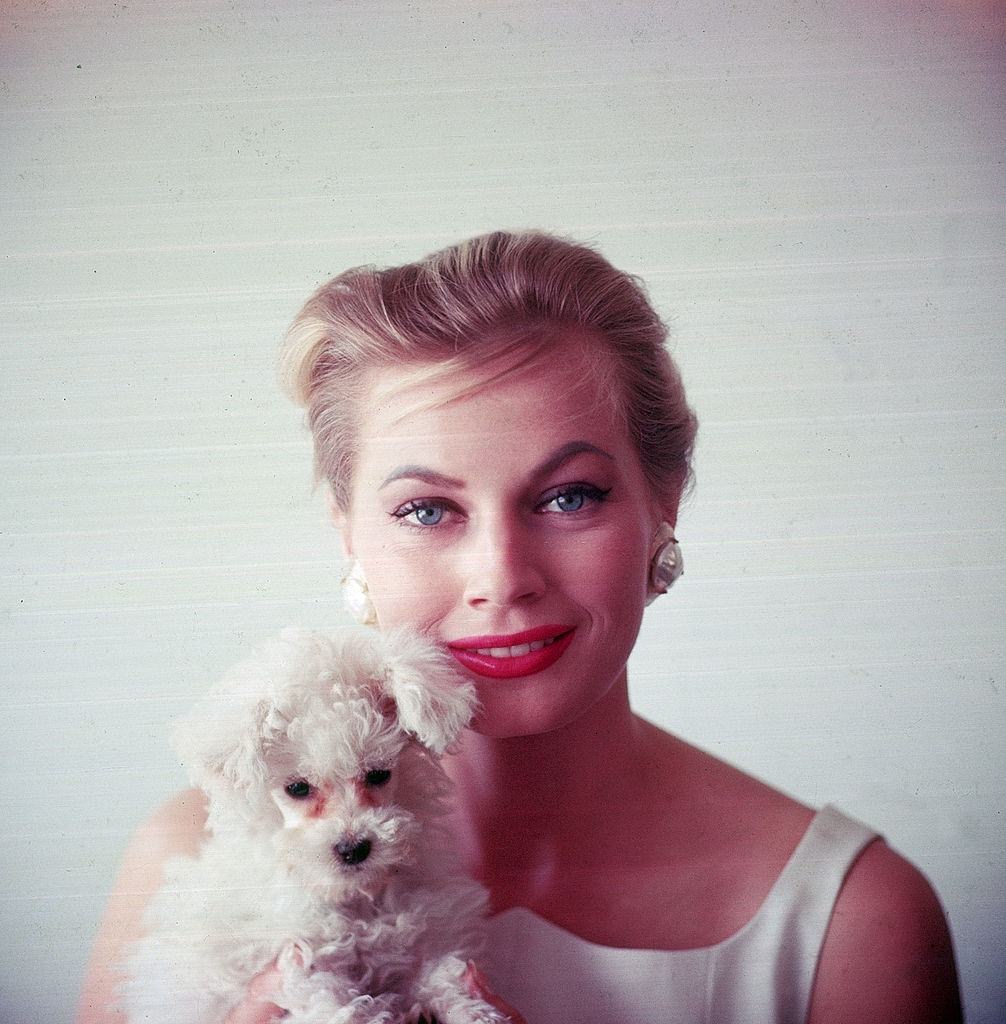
(174, 829)
(730, 808)
(887, 955)
(718, 839)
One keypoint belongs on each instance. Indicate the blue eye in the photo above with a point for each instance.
(429, 515)
(573, 498)
(422, 512)
(570, 501)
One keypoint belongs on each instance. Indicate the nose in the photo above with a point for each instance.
(503, 566)
(353, 851)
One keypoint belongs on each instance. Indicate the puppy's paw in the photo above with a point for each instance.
(471, 1011)
(455, 992)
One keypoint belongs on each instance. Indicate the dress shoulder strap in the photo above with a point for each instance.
(765, 971)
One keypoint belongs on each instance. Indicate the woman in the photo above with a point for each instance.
(505, 443)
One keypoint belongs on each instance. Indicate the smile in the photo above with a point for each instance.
(519, 654)
(514, 652)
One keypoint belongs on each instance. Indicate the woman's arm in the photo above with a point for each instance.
(887, 955)
(174, 829)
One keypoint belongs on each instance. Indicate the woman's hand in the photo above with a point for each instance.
(257, 1006)
(478, 988)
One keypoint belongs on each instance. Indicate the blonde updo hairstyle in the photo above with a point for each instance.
(496, 304)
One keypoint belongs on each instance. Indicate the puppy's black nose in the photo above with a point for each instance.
(354, 851)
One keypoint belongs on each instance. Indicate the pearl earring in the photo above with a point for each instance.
(666, 565)
(356, 596)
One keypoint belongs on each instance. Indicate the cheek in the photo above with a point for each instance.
(412, 589)
(612, 571)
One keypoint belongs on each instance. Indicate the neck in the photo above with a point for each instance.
(526, 805)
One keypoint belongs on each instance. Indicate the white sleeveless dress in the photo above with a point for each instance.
(761, 974)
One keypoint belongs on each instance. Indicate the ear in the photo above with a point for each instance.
(433, 701)
(340, 520)
(671, 505)
(662, 514)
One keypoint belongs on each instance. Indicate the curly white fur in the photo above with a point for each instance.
(320, 758)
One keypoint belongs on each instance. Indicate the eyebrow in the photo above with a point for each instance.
(558, 458)
(568, 451)
(423, 473)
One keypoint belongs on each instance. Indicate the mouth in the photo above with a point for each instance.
(513, 655)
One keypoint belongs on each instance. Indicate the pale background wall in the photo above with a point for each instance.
(814, 193)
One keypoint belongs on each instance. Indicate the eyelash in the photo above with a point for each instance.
(594, 495)
(410, 507)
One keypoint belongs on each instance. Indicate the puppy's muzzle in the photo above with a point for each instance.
(352, 851)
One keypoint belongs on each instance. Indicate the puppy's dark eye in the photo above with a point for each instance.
(377, 777)
(299, 789)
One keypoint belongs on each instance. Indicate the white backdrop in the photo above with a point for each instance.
(814, 193)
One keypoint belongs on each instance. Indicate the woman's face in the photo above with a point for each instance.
(514, 521)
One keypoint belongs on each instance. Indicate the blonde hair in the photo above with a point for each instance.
(497, 302)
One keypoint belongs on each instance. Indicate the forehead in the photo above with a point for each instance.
(562, 394)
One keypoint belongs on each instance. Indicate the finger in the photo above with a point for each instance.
(478, 988)
(257, 1006)
(255, 1011)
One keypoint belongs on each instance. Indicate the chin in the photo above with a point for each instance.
(510, 718)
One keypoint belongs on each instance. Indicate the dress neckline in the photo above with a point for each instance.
(821, 821)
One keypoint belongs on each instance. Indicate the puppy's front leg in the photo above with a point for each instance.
(313, 995)
(442, 992)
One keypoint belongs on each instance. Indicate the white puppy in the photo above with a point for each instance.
(320, 758)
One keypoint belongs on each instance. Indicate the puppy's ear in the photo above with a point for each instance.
(432, 700)
(222, 741)
(226, 739)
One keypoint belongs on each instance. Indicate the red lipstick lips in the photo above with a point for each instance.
(513, 655)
